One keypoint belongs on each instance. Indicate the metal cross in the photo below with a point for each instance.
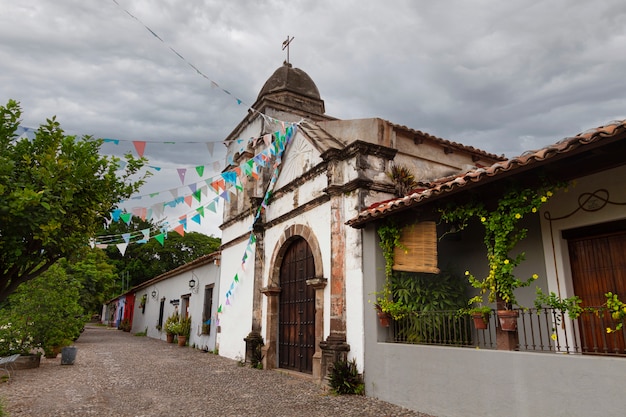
(286, 45)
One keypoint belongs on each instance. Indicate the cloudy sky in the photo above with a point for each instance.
(503, 76)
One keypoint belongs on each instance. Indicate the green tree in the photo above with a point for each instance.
(56, 190)
(46, 309)
(96, 276)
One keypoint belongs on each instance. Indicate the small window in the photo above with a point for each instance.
(208, 309)
(161, 308)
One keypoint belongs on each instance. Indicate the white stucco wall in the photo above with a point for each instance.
(235, 321)
(173, 288)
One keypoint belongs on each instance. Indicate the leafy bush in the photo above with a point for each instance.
(345, 378)
(42, 313)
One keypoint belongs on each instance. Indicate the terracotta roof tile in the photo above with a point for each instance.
(447, 184)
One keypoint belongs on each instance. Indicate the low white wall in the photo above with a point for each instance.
(457, 382)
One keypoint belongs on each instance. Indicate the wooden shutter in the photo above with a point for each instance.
(418, 251)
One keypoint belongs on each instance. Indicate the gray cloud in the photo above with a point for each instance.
(501, 76)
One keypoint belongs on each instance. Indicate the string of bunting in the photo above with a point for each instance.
(223, 185)
(282, 145)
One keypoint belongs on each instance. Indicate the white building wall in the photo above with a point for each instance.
(172, 289)
(235, 321)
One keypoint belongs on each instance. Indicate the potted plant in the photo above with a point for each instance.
(183, 330)
(502, 233)
(480, 313)
(171, 327)
(386, 307)
(142, 303)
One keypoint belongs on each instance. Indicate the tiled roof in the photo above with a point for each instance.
(457, 182)
(446, 142)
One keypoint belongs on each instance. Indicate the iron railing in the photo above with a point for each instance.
(539, 330)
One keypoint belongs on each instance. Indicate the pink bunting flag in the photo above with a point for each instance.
(140, 147)
(189, 200)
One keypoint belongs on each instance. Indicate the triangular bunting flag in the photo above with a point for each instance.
(200, 170)
(200, 211)
(197, 195)
(122, 247)
(126, 217)
(126, 237)
(210, 146)
(181, 174)
(140, 147)
(188, 200)
(196, 218)
(160, 238)
(180, 229)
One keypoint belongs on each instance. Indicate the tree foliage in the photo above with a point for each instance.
(55, 189)
(96, 277)
(45, 311)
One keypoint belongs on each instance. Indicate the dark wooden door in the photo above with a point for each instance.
(296, 338)
(599, 266)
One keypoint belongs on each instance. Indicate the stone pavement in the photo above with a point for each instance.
(119, 374)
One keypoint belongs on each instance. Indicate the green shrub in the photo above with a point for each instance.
(345, 378)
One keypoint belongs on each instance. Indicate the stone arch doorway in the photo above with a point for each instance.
(295, 284)
(296, 308)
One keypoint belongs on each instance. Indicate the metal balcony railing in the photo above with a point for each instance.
(539, 330)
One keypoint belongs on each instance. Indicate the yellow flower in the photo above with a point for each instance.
(549, 193)
(518, 216)
(466, 272)
(506, 261)
(544, 199)
(535, 276)
(534, 209)
(553, 337)
(608, 330)
(483, 219)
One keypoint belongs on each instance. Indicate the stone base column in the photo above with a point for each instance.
(254, 345)
(334, 349)
(505, 340)
(269, 350)
(319, 284)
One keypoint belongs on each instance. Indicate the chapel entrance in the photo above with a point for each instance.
(598, 265)
(296, 317)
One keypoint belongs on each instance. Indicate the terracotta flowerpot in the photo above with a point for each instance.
(481, 321)
(508, 320)
(170, 337)
(182, 340)
(384, 318)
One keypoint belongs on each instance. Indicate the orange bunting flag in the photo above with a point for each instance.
(188, 200)
(180, 229)
(140, 147)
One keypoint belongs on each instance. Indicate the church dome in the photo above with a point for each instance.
(294, 80)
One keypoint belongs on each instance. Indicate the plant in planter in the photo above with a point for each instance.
(183, 329)
(480, 313)
(142, 303)
(171, 327)
(386, 306)
(502, 233)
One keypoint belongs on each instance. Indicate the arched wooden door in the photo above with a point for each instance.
(599, 266)
(296, 316)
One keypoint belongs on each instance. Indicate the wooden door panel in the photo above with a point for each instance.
(297, 309)
(598, 266)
